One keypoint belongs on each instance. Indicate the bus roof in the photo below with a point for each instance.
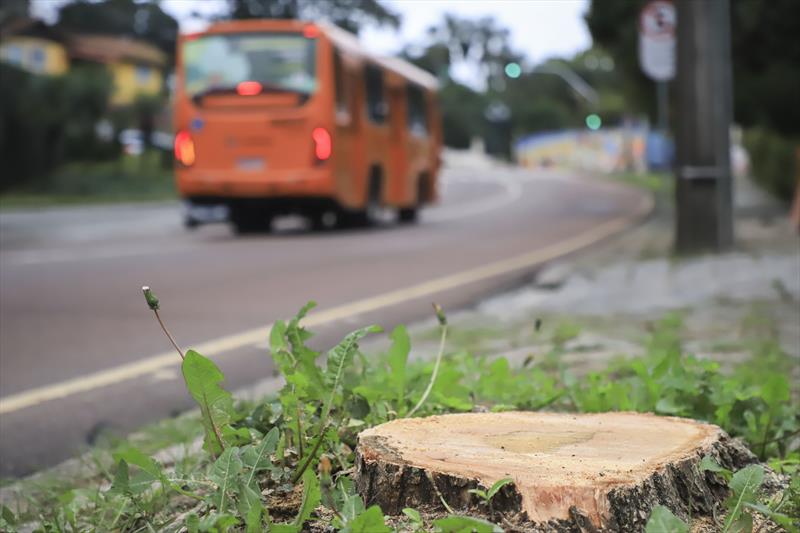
(350, 43)
(341, 38)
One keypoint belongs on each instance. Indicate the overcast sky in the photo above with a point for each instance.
(539, 28)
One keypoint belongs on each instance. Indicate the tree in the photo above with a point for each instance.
(462, 114)
(482, 44)
(141, 20)
(11, 9)
(348, 14)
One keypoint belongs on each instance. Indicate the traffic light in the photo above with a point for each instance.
(513, 70)
(593, 122)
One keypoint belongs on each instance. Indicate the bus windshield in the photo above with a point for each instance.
(278, 61)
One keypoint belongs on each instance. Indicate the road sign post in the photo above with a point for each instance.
(657, 22)
(704, 190)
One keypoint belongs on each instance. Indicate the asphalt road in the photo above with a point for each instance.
(79, 351)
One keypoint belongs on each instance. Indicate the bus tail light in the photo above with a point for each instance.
(184, 148)
(323, 145)
(248, 88)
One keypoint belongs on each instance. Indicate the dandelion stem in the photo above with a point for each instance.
(443, 324)
(304, 466)
(169, 336)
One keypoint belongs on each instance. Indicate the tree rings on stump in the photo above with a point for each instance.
(569, 470)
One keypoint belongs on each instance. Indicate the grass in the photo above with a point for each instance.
(126, 179)
(656, 182)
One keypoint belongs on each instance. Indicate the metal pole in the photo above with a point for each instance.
(662, 97)
(703, 192)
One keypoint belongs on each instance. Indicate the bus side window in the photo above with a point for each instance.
(417, 112)
(341, 88)
(377, 107)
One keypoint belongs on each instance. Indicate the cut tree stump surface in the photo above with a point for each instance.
(608, 468)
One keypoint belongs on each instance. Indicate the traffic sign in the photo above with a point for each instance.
(657, 23)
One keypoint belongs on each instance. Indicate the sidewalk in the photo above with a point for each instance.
(601, 303)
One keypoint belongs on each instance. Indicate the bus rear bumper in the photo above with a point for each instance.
(242, 185)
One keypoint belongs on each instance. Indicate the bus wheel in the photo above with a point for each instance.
(347, 219)
(247, 219)
(408, 215)
(322, 220)
(374, 212)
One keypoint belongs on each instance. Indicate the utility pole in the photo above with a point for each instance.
(704, 189)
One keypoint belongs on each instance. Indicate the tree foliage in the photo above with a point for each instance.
(141, 20)
(11, 9)
(46, 119)
(351, 15)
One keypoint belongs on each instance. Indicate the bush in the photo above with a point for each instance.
(30, 125)
(773, 160)
(87, 89)
(46, 119)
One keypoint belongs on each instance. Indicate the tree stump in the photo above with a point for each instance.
(571, 472)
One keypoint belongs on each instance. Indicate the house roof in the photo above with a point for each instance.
(29, 27)
(109, 49)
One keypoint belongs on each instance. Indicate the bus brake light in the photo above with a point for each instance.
(184, 148)
(323, 145)
(310, 31)
(248, 88)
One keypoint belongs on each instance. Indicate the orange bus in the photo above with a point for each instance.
(282, 116)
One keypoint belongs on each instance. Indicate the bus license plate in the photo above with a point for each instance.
(250, 163)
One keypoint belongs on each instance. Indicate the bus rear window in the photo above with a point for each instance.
(278, 61)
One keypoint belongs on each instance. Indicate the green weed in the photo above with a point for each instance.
(284, 463)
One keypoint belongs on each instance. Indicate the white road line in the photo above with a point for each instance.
(47, 256)
(218, 347)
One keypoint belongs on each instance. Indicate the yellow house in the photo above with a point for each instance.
(137, 68)
(34, 46)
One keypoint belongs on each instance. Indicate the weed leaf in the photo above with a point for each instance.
(311, 498)
(257, 458)
(744, 487)
(707, 463)
(465, 524)
(225, 472)
(150, 471)
(251, 508)
(370, 521)
(339, 357)
(663, 521)
(397, 358)
(779, 518)
(216, 405)
(121, 483)
(497, 486)
(413, 514)
(192, 523)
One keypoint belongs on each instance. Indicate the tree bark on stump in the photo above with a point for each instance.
(571, 472)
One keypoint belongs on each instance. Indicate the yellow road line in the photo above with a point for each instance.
(216, 347)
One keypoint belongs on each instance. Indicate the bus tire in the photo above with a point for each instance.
(346, 218)
(359, 218)
(408, 215)
(247, 220)
(372, 211)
